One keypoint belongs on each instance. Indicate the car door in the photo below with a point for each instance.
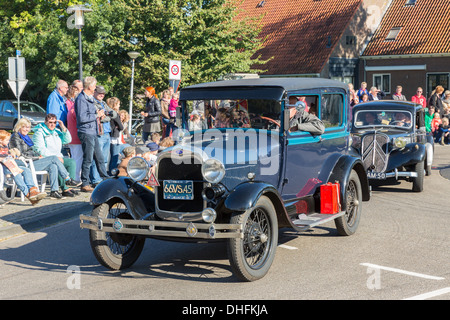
(309, 159)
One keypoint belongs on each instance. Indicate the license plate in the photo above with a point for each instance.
(178, 190)
(376, 175)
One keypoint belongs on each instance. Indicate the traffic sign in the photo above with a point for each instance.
(17, 86)
(16, 68)
(174, 70)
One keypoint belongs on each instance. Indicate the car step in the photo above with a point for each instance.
(305, 222)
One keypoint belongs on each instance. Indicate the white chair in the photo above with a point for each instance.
(43, 174)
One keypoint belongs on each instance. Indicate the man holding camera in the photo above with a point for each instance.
(89, 128)
(104, 135)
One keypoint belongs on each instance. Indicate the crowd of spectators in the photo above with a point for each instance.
(83, 138)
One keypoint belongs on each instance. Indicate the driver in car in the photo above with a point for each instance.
(303, 121)
(401, 119)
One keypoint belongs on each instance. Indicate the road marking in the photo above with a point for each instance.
(430, 294)
(420, 275)
(287, 247)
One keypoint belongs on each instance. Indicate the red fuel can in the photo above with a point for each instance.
(329, 198)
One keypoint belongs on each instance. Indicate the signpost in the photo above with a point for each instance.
(17, 77)
(174, 73)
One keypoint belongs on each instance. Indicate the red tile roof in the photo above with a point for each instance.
(298, 32)
(425, 29)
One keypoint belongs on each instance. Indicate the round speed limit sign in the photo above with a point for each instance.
(174, 70)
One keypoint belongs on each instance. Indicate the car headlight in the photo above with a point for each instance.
(137, 168)
(213, 170)
(400, 142)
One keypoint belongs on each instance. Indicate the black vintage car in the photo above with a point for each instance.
(392, 141)
(239, 175)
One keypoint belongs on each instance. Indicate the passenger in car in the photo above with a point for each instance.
(303, 121)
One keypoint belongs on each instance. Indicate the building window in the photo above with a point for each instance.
(393, 33)
(437, 79)
(410, 2)
(382, 82)
(350, 40)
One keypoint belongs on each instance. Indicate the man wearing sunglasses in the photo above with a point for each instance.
(48, 141)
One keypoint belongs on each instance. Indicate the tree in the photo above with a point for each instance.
(204, 35)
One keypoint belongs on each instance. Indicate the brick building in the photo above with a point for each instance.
(411, 48)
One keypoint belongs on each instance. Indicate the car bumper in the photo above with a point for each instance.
(162, 228)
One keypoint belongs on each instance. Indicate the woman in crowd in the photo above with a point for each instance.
(76, 152)
(152, 114)
(117, 145)
(21, 141)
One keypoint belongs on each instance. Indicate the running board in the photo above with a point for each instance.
(305, 222)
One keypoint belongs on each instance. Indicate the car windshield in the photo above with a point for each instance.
(391, 118)
(245, 113)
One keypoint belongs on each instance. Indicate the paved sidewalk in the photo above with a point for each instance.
(19, 217)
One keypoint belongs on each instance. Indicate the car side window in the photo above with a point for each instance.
(332, 110)
(7, 106)
(1, 106)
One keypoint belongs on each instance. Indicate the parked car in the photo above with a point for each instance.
(239, 180)
(392, 141)
(8, 113)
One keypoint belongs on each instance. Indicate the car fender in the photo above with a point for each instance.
(411, 154)
(138, 199)
(245, 195)
(341, 173)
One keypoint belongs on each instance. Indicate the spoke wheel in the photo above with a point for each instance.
(115, 250)
(252, 256)
(348, 223)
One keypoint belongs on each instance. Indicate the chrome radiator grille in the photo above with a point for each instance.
(168, 170)
(374, 151)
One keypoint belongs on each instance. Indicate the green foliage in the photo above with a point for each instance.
(204, 35)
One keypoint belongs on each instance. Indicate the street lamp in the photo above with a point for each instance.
(76, 20)
(133, 55)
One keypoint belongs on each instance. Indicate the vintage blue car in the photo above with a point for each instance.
(393, 142)
(262, 154)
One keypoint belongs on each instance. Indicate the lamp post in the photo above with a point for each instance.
(133, 55)
(76, 20)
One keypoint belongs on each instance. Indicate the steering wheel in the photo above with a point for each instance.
(270, 120)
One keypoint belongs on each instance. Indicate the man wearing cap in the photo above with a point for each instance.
(303, 121)
(103, 136)
(88, 118)
(56, 102)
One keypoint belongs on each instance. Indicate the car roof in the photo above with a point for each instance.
(288, 84)
(261, 88)
(386, 105)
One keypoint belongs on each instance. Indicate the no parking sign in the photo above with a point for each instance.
(174, 70)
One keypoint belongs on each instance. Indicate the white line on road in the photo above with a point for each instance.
(420, 275)
(287, 247)
(430, 294)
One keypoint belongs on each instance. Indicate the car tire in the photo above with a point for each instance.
(115, 251)
(417, 182)
(347, 224)
(251, 256)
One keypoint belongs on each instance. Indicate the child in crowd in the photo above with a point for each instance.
(166, 143)
(173, 105)
(195, 123)
(129, 152)
(21, 175)
(150, 155)
(435, 123)
(443, 134)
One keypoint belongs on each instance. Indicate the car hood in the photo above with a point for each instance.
(241, 151)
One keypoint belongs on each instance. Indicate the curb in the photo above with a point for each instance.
(43, 220)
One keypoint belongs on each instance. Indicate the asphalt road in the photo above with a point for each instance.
(400, 251)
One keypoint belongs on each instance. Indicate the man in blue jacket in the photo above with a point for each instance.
(56, 102)
(88, 119)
